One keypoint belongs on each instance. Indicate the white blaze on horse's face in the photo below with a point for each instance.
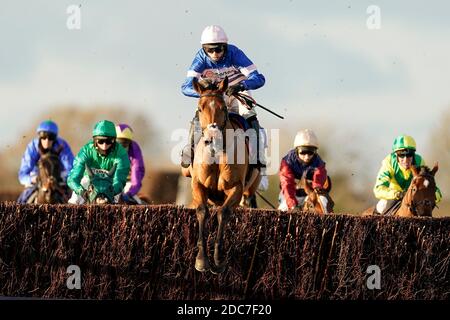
(426, 183)
(214, 140)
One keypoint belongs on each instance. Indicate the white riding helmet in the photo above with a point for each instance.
(213, 34)
(306, 138)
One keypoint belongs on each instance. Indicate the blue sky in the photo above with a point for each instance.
(325, 69)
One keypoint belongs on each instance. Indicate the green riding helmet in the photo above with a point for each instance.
(404, 142)
(104, 128)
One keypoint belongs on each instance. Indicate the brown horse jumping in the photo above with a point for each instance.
(221, 173)
(420, 198)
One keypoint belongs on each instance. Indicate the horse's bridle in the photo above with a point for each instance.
(220, 96)
(415, 204)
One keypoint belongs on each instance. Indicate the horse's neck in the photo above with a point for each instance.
(405, 207)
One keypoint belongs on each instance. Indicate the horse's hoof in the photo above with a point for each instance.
(201, 265)
(219, 268)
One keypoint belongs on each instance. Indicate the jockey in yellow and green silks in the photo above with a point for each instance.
(395, 175)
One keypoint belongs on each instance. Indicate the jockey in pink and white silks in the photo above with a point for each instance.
(216, 60)
(47, 140)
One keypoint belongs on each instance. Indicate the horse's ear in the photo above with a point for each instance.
(308, 186)
(113, 169)
(40, 149)
(435, 169)
(89, 171)
(223, 85)
(414, 170)
(197, 87)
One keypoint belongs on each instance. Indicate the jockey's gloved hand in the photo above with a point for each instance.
(126, 197)
(399, 195)
(319, 190)
(234, 89)
(85, 195)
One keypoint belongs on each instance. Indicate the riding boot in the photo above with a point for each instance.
(260, 158)
(187, 154)
(387, 207)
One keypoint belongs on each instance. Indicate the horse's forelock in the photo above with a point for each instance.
(208, 84)
(424, 170)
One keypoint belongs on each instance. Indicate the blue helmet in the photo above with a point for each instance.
(48, 126)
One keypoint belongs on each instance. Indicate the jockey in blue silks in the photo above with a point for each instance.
(46, 140)
(216, 60)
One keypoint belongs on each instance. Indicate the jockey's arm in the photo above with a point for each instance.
(319, 177)
(382, 188)
(254, 79)
(67, 159)
(77, 172)
(29, 161)
(287, 181)
(137, 170)
(438, 193)
(188, 89)
(195, 71)
(122, 169)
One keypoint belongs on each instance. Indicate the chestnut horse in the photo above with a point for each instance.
(420, 198)
(221, 173)
(312, 203)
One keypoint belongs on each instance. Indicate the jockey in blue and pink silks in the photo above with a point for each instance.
(46, 140)
(216, 60)
(137, 171)
(303, 160)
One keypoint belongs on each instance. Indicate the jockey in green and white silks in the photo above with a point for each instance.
(99, 154)
(395, 175)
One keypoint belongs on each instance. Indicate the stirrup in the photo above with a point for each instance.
(186, 156)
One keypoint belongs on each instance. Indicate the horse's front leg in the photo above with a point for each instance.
(234, 196)
(202, 212)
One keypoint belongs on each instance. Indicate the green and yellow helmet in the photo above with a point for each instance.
(404, 142)
(104, 128)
